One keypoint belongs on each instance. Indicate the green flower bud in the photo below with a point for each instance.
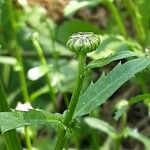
(83, 42)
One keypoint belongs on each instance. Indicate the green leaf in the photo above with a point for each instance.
(98, 93)
(110, 44)
(105, 61)
(100, 125)
(16, 119)
(139, 98)
(107, 144)
(59, 79)
(8, 60)
(37, 72)
(120, 112)
(76, 25)
(11, 138)
(138, 136)
(75, 5)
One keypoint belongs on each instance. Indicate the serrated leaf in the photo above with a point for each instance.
(98, 93)
(16, 119)
(100, 125)
(105, 61)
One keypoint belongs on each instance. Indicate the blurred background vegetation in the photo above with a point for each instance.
(36, 67)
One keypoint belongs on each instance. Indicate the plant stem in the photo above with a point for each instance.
(11, 137)
(117, 143)
(47, 75)
(8, 14)
(73, 101)
(77, 89)
(137, 19)
(116, 15)
(27, 136)
(22, 74)
(24, 89)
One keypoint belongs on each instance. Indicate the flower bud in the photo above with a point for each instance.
(83, 42)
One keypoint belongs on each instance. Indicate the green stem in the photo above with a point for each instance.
(47, 75)
(123, 122)
(22, 75)
(73, 101)
(11, 137)
(95, 138)
(137, 19)
(66, 99)
(77, 89)
(28, 142)
(116, 15)
(117, 143)
(55, 55)
(24, 89)
(138, 99)
(8, 16)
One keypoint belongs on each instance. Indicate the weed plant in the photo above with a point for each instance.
(64, 78)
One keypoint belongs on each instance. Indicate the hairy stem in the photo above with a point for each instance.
(73, 101)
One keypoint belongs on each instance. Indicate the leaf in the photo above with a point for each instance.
(100, 125)
(139, 98)
(120, 112)
(16, 119)
(8, 60)
(110, 44)
(138, 136)
(59, 79)
(76, 25)
(37, 72)
(39, 92)
(75, 5)
(105, 61)
(99, 92)
(107, 144)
